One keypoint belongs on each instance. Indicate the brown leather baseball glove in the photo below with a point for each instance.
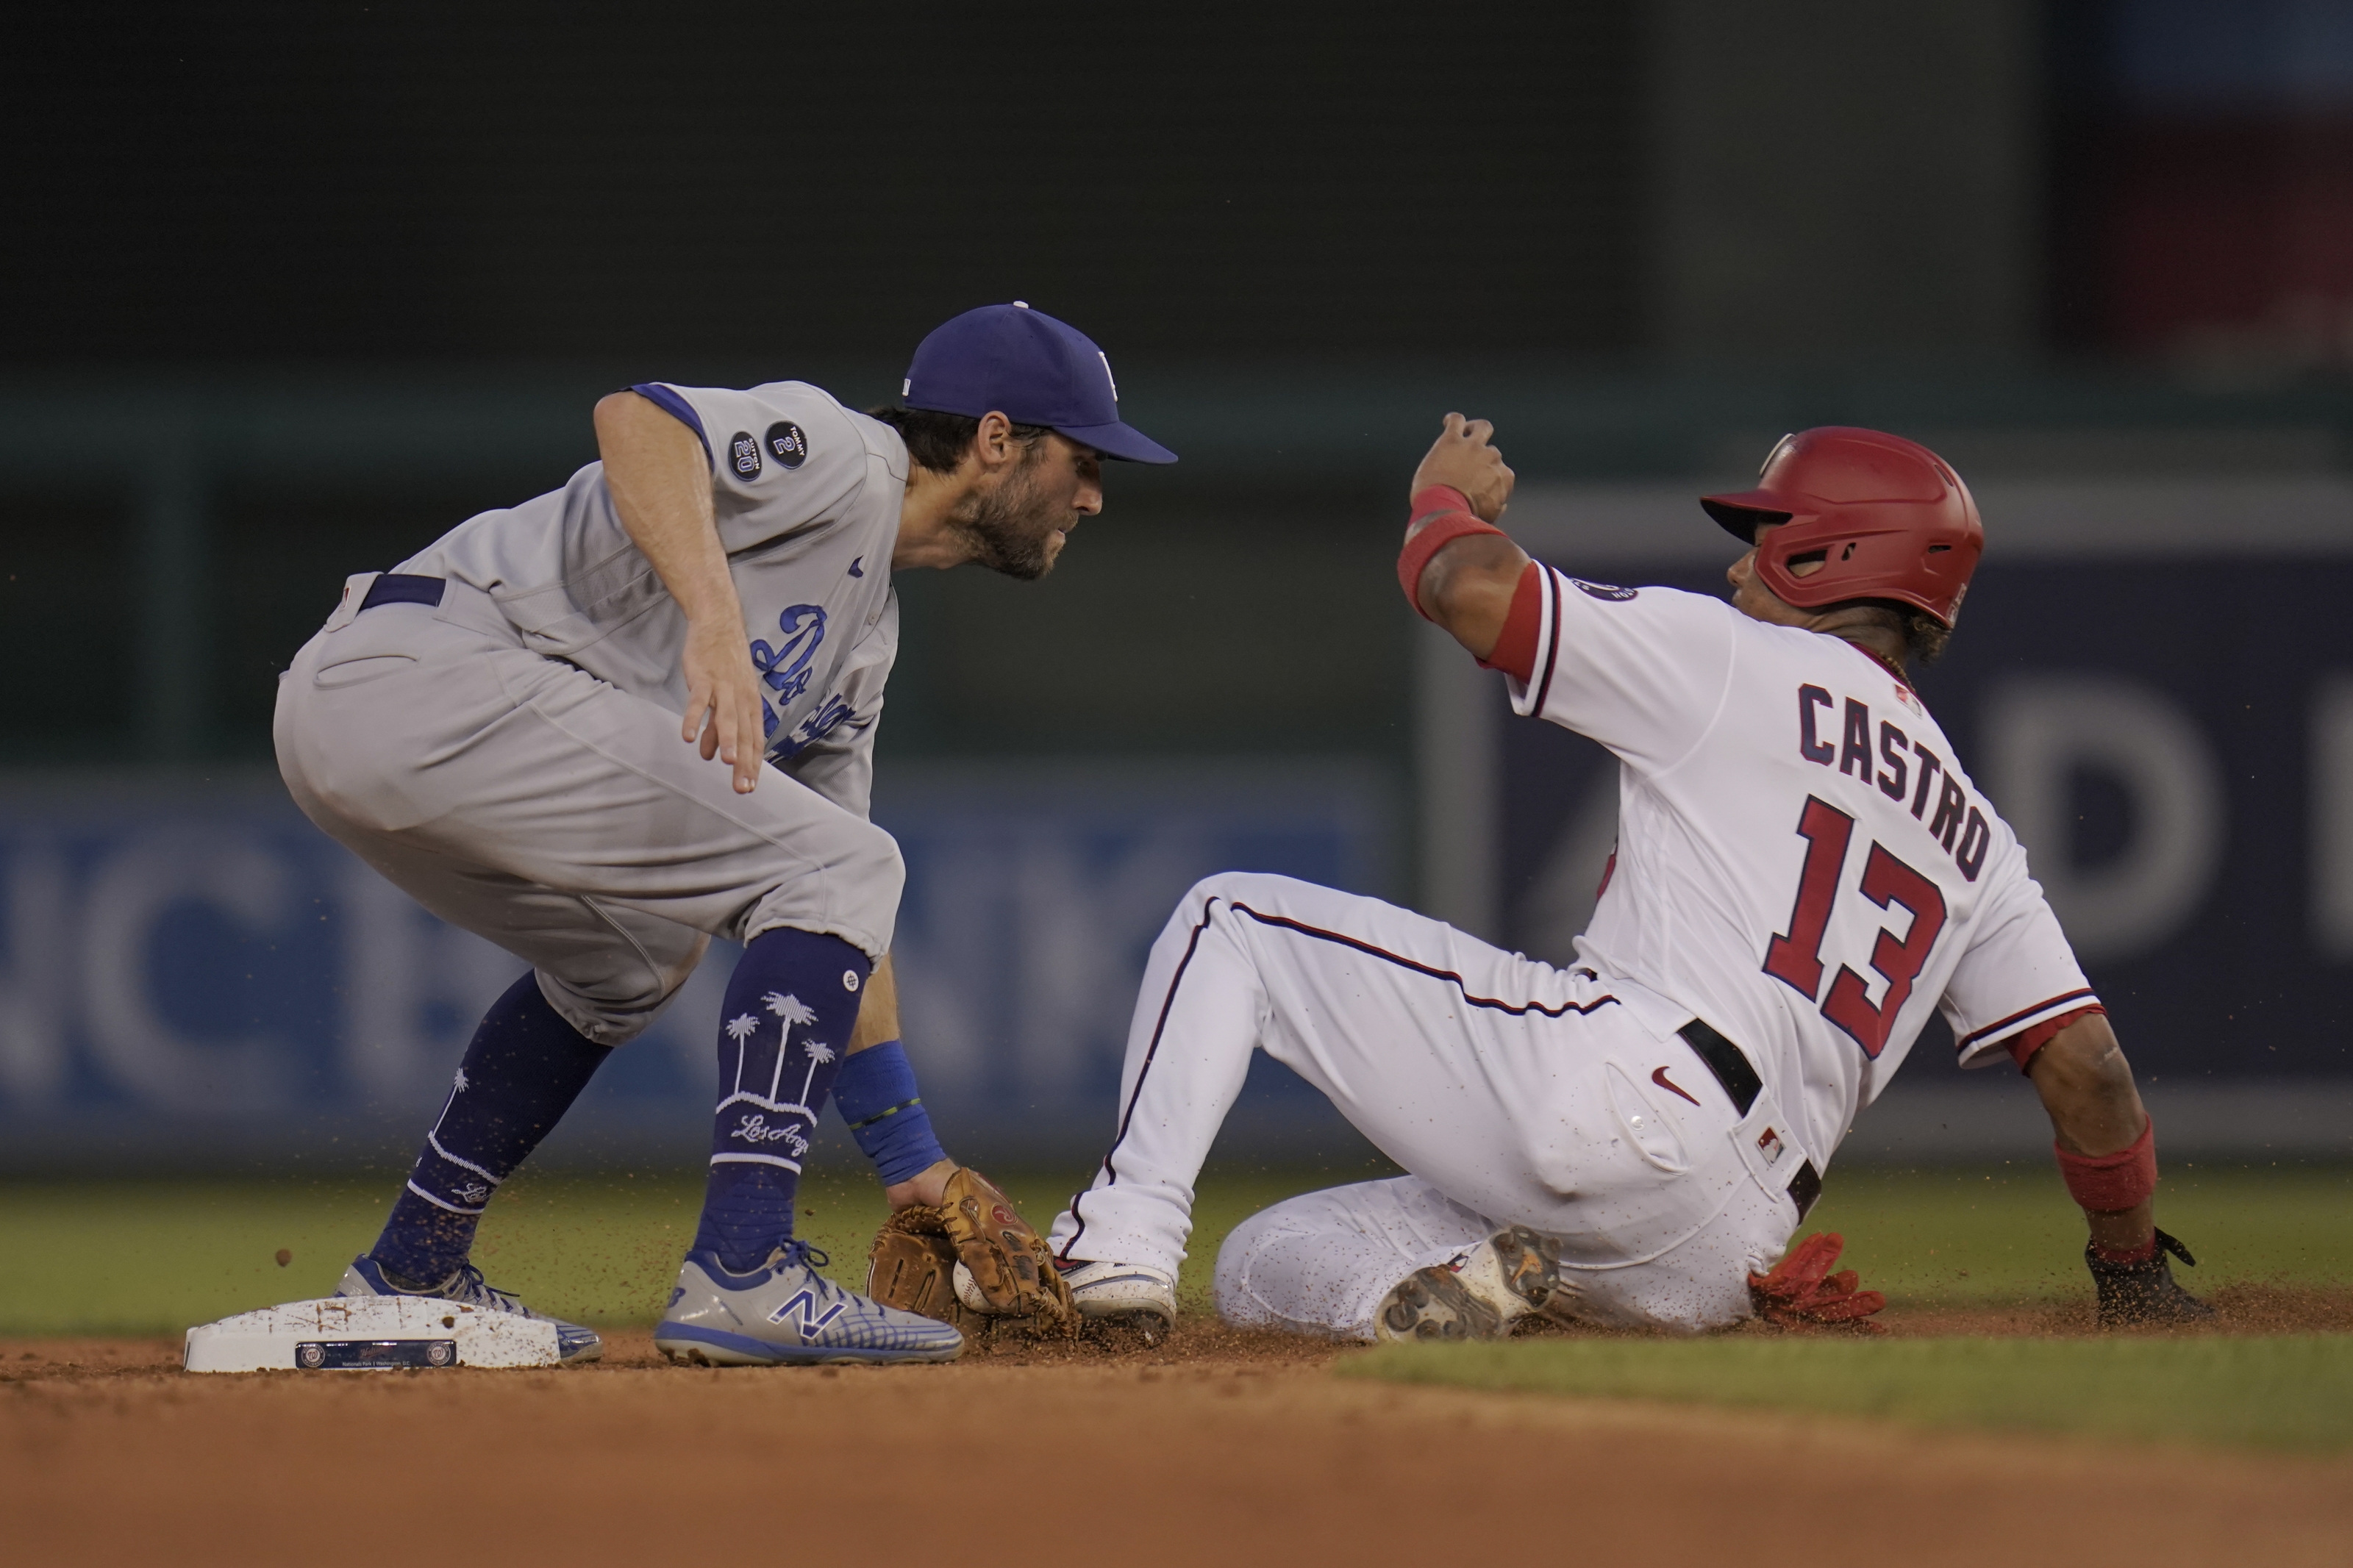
(911, 1267)
(913, 1262)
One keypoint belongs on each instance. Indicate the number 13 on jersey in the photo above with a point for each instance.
(1795, 958)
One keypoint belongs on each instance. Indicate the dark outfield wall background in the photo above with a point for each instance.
(295, 288)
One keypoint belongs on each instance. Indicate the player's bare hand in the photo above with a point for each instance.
(1464, 458)
(723, 700)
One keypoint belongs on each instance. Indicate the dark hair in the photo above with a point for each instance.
(938, 441)
(1924, 634)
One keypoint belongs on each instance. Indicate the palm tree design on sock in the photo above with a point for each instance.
(741, 1028)
(788, 1007)
(793, 1010)
(818, 1052)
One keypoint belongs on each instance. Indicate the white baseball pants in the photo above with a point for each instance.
(1515, 1092)
(562, 818)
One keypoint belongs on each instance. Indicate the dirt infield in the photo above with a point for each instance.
(1216, 1446)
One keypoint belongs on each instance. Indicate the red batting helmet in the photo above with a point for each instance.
(1887, 518)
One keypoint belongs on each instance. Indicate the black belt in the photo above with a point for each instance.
(1739, 1079)
(396, 588)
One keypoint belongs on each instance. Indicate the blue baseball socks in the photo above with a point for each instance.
(522, 1070)
(791, 1005)
(878, 1097)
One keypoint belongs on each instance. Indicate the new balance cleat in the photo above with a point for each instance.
(1475, 1295)
(786, 1313)
(365, 1277)
(1130, 1295)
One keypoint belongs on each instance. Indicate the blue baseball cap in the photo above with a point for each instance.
(1034, 370)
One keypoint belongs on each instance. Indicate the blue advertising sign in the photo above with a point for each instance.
(193, 970)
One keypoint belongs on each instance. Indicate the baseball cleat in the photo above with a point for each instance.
(365, 1277)
(1475, 1295)
(1132, 1295)
(784, 1312)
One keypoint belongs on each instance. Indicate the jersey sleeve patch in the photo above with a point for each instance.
(1610, 593)
(785, 444)
(677, 407)
(743, 456)
(1643, 670)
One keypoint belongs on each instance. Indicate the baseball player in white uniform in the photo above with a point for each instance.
(606, 725)
(1804, 871)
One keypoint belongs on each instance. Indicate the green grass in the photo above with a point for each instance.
(153, 1256)
(2010, 1235)
(142, 1257)
(2287, 1392)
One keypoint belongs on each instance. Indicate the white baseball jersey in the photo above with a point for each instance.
(1803, 861)
(807, 498)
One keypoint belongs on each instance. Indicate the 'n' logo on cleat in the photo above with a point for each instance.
(806, 1302)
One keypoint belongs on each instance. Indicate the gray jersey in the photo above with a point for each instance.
(807, 496)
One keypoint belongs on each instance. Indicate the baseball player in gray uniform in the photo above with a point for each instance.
(606, 725)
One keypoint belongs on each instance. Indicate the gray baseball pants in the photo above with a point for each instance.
(557, 816)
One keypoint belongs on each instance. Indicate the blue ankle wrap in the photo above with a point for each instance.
(878, 1097)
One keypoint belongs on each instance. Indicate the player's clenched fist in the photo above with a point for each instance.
(1462, 457)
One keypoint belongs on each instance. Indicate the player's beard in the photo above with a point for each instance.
(1012, 526)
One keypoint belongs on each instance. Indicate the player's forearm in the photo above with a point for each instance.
(2087, 1089)
(656, 472)
(892, 1137)
(1468, 587)
(1456, 566)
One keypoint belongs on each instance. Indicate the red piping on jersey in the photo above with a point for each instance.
(2023, 1013)
(1127, 1112)
(1193, 943)
(1519, 1009)
(1552, 649)
(2022, 1045)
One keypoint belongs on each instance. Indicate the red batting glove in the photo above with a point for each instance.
(1802, 1292)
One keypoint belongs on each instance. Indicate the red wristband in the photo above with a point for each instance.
(1431, 499)
(2109, 1183)
(1449, 510)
